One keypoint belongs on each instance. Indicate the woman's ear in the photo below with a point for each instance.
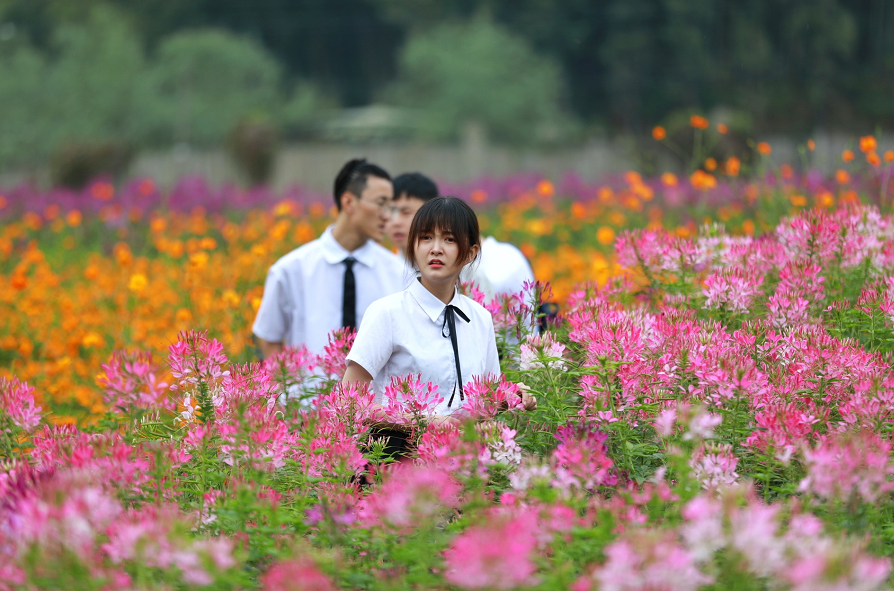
(473, 253)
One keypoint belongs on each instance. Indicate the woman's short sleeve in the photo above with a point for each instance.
(374, 343)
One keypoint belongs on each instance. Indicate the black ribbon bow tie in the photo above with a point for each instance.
(450, 327)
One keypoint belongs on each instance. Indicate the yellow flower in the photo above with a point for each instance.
(93, 339)
(231, 298)
(198, 260)
(137, 283)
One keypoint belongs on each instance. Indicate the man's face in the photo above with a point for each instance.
(371, 212)
(402, 212)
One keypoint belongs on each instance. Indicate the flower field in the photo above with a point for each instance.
(715, 403)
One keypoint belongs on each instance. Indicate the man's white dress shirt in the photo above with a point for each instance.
(403, 334)
(501, 269)
(303, 293)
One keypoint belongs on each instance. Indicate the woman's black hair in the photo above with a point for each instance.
(415, 185)
(447, 214)
(352, 178)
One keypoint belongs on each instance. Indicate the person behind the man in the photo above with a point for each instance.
(328, 283)
(502, 268)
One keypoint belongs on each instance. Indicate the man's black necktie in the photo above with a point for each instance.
(349, 300)
(450, 327)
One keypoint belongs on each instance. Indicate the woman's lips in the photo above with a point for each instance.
(435, 263)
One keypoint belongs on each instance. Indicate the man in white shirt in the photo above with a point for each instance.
(327, 284)
(501, 268)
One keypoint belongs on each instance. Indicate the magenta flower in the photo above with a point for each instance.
(409, 400)
(334, 358)
(731, 289)
(538, 350)
(581, 460)
(487, 396)
(132, 384)
(17, 405)
(196, 359)
(848, 465)
(649, 561)
(297, 574)
(714, 465)
(411, 496)
(495, 554)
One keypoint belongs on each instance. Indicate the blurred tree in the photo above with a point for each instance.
(87, 93)
(793, 65)
(343, 46)
(478, 72)
(202, 83)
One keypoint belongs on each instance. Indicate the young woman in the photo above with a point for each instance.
(430, 328)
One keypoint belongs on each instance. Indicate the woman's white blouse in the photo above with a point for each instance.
(401, 334)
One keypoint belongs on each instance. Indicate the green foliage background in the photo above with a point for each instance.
(528, 70)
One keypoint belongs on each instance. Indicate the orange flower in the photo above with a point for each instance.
(873, 159)
(786, 171)
(545, 189)
(748, 228)
(633, 178)
(811, 145)
(3, 201)
(698, 122)
(798, 200)
(659, 133)
(825, 199)
(669, 179)
(847, 155)
(722, 128)
(710, 165)
(479, 196)
(842, 177)
(605, 235)
(19, 282)
(732, 166)
(868, 144)
(889, 156)
(528, 249)
(764, 148)
(73, 218)
(702, 180)
(605, 194)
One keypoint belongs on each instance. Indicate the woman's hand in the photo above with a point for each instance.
(529, 401)
(444, 421)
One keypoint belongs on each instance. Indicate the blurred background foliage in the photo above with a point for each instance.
(159, 73)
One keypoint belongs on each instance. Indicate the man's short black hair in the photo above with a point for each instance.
(352, 178)
(415, 185)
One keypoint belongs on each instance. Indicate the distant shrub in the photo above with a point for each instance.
(253, 144)
(76, 163)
